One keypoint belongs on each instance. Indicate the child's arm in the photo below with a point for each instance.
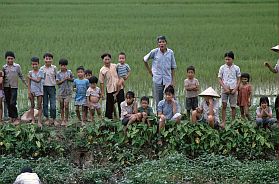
(174, 108)
(29, 85)
(269, 67)
(268, 112)
(135, 108)
(59, 82)
(250, 96)
(20, 75)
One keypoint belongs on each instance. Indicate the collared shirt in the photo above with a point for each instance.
(229, 75)
(36, 87)
(93, 92)
(259, 111)
(166, 108)
(110, 75)
(11, 74)
(148, 110)
(127, 109)
(27, 178)
(204, 106)
(162, 64)
(50, 75)
(191, 83)
(66, 88)
(122, 69)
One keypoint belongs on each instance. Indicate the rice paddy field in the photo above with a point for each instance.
(198, 31)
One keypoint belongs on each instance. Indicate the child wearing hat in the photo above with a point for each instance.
(209, 110)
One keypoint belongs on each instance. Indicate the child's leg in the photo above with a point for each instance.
(78, 112)
(195, 116)
(242, 112)
(92, 112)
(224, 107)
(246, 112)
(39, 106)
(99, 112)
(32, 101)
(66, 106)
(233, 112)
(62, 109)
(1, 109)
(84, 108)
(233, 102)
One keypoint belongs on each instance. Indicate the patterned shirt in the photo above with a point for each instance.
(36, 87)
(166, 108)
(259, 111)
(204, 106)
(191, 83)
(127, 109)
(50, 74)
(11, 74)
(81, 88)
(162, 64)
(229, 75)
(123, 69)
(66, 88)
(93, 92)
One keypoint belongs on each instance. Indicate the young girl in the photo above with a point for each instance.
(35, 89)
(264, 113)
(168, 109)
(129, 110)
(93, 95)
(81, 85)
(244, 95)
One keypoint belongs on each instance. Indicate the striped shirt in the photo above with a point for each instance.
(122, 69)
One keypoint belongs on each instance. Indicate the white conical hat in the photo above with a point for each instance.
(209, 92)
(27, 115)
(275, 48)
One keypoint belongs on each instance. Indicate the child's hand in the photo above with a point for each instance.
(267, 64)
(198, 110)
(29, 95)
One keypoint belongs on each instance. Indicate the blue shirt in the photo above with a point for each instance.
(162, 64)
(81, 88)
(166, 108)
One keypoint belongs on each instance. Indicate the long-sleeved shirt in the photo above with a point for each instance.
(11, 75)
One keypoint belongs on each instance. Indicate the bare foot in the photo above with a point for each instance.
(40, 124)
(16, 122)
(63, 123)
(56, 123)
(82, 123)
(47, 121)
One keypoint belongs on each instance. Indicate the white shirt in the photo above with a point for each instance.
(27, 178)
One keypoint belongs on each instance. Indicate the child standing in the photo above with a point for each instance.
(264, 113)
(1, 95)
(191, 86)
(145, 110)
(50, 72)
(64, 80)
(88, 74)
(123, 71)
(129, 110)
(93, 95)
(12, 71)
(35, 89)
(244, 95)
(229, 79)
(81, 85)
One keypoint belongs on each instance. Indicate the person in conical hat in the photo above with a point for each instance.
(208, 111)
(275, 70)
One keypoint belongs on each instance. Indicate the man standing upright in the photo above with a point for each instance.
(162, 68)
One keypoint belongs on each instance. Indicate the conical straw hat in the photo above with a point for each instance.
(209, 92)
(27, 115)
(275, 48)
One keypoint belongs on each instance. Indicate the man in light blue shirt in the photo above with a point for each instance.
(162, 69)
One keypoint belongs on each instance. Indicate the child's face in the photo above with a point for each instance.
(129, 100)
(263, 105)
(244, 80)
(190, 74)
(229, 61)
(144, 104)
(63, 67)
(35, 65)
(88, 75)
(80, 74)
(93, 85)
(10, 60)
(169, 96)
(121, 59)
(162, 44)
(48, 60)
(107, 60)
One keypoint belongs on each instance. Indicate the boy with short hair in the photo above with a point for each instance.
(35, 89)
(64, 80)
(93, 95)
(12, 71)
(191, 87)
(88, 73)
(81, 85)
(123, 71)
(229, 79)
(50, 72)
(145, 110)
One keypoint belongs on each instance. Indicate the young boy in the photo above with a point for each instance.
(35, 89)
(93, 95)
(209, 110)
(88, 74)
(1, 95)
(64, 80)
(191, 87)
(145, 110)
(229, 79)
(123, 71)
(129, 110)
(50, 72)
(81, 85)
(12, 71)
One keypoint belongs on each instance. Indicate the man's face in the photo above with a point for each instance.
(162, 44)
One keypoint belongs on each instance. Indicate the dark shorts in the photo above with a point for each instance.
(191, 103)
(125, 121)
